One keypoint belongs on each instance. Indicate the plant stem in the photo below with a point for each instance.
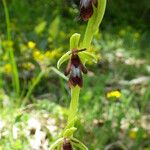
(1, 81)
(73, 104)
(31, 88)
(38, 79)
(94, 22)
(7, 19)
(15, 78)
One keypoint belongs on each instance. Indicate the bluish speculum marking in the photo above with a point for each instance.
(75, 71)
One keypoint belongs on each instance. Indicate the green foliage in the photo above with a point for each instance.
(124, 13)
(40, 31)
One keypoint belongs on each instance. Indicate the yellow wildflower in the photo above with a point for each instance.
(133, 133)
(113, 94)
(54, 54)
(48, 54)
(51, 54)
(37, 55)
(7, 68)
(136, 35)
(28, 66)
(31, 44)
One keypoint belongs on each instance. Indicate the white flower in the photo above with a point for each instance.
(1, 125)
(34, 124)
(15, 132)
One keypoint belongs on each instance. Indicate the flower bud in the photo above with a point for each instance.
(86, 8)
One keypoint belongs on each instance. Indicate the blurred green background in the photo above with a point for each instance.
(114, 106)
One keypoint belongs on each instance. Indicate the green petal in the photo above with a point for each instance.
(63, 59)
(87, 56)
(78, 144)
(56, 143)
(74, 41)
(59, 73)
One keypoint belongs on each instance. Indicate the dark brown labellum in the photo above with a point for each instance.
(66, 145)
(86, 8)
(75, 69)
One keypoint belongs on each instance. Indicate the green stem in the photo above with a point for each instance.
(15, 78)
(38, 79)
(7, 19)
(94, 22)
(73, 104)
(1, 81)
(32, 87)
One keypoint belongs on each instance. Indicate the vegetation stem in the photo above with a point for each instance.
(15, 78)
(94, 22)
(38, 79)
(73, 104)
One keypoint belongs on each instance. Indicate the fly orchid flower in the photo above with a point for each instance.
(77, 59)
(66, 145)
(75, 69)
(86, 8)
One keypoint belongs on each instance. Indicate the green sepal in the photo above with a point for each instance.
(64, 58)
(56, 143)
(59, 73)
(87, 56)
(69, 132)
(74, 41)
(78, 144)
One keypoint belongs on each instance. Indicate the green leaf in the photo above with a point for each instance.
(87, 56)
(40, 27)
(78, 144)
(56, 143)
(63, 59)
(54, 28)
(18, 118)
(69, 132)
(74, 41)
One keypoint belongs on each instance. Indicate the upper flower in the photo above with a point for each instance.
(86, 8)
